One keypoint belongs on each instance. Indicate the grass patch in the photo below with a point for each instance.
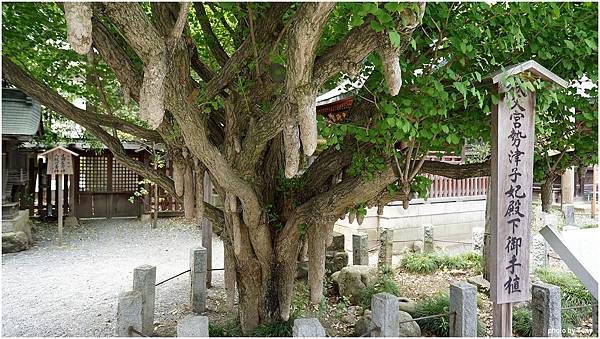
(230, 328)
(522, 321)
(385, 283)
(431, 262)
(439, 326)
(275, 329)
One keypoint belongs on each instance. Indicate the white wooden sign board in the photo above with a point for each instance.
(60, 160)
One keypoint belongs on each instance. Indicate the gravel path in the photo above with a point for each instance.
(72, 290)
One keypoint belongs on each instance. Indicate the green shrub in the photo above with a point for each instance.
(437, 304)
(420, 263)
(522, 321)
(385, 283)
(430, 262)
(228, 329)
(275, 329)
(439, 326)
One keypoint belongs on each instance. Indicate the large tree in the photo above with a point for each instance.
(231, 88)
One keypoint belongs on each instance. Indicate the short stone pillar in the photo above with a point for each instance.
(198, 260)
(129, 313)
(539, 253)
(338, 242)
(193, 326)
(545, 308)
(463, 301)
(144, 279)
(427, 238)
(360, 250)
(385, 316)
(569, 212)
(477, 238)
(308, 327)
(386, 247)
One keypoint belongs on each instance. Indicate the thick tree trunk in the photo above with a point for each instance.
(546, 192)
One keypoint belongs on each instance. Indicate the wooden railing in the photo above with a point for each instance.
(443, 187)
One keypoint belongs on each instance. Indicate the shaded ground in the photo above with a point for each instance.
(72, 290)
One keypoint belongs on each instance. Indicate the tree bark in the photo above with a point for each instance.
(546, 192)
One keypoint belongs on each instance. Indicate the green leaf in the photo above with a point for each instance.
(394, 38)
(569, 44)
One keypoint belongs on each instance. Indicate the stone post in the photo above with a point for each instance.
(568, 194)
(360, 250)
(193, 326)
(129, 313)
(385, 316)
(144, 279)
(539, 253)
(545, 308)
(198, 257)
(463, 301)
(308, 327)
(427, 238)
(386, 247)
(477, 235)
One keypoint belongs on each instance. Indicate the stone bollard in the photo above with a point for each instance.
(193, 326)
(129, 313)
(360, 249)
(477, 238)
(144, 279)
(308, 327)
(385, 316)
(463, 301)
(545, 308)
(198, 257)
(569, 212)
(539, 253)
(428, 238)
(386, 247)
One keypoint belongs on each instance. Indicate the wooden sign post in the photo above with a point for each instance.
(513, 136)
(60, 162)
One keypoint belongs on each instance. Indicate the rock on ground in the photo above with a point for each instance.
(352, 280)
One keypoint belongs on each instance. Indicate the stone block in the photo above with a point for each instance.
(407, 328)
(193, 326)
(539, 253)
(360, 249)
(385, 315)
(546, 308)
(477, 238)
(129, 313)
(308, 327)
(407, 305)
(478, 281)
(14, 242)
(386, 247)
(428, 238)
(463, 301)
(352, 280)
(569, 213)
(198, 262)
(335, 261)
(144, 279)
(337, 243)
(146, 218)
(71, 221)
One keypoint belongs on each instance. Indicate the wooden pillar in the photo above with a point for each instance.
(48, 194)
(31, 184)
(207, 229)
(76, 173)
(109, 185)
(59, 206)
(65, 187)
(568, 186)
(56, 197)
(72, 204)
(40, 181)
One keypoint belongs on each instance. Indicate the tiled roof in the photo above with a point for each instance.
(20, 113)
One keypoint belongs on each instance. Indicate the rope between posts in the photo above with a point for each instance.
(579, 306)
(173, 277)
(454, 242)
(429, 317)
(133, 330)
